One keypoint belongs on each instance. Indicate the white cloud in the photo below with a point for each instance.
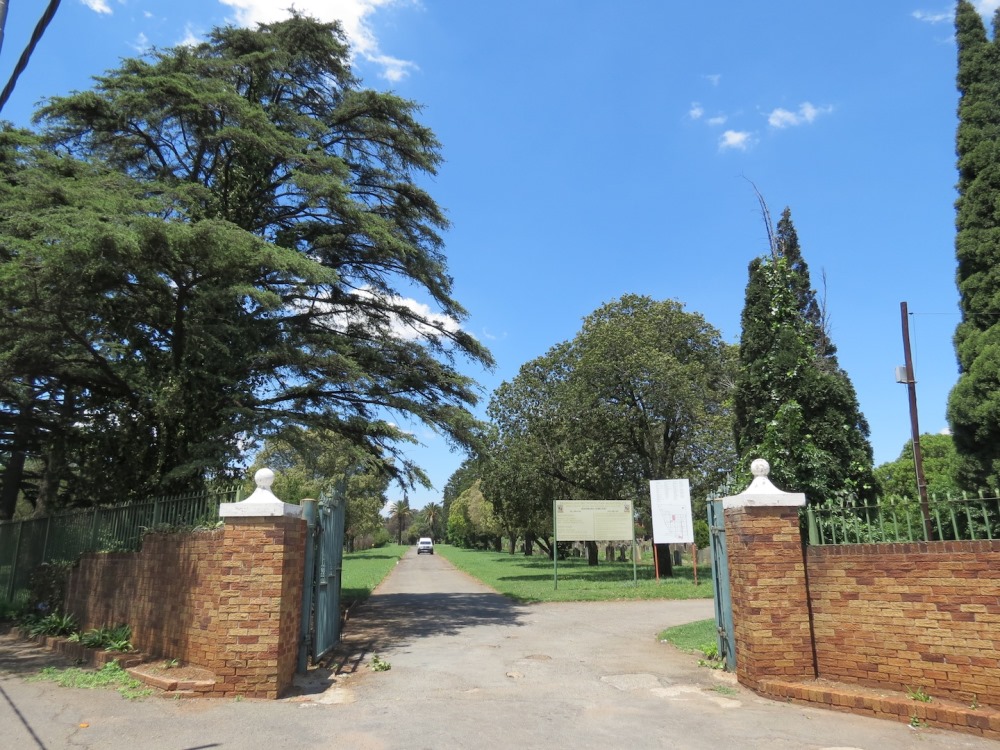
(928, 17)
(714, 78)
(717, 120)
(141, 43)
(696, 111)
(737, 139)
(421, 323)
(190, 37)
(987, 6)
(98, 6)
(783, 118)
(353, 15)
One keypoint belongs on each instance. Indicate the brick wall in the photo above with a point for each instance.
(768, 588)
(910, 616)
(866, 620)
(228, 600)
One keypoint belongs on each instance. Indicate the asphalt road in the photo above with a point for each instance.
(469, 669)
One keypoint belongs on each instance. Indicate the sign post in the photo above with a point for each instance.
(592, 521)
(670, 508)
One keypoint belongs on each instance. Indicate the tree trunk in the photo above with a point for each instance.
(591, 553)
(12, 475)
(513, 543)
(529, 544)
(664, 564)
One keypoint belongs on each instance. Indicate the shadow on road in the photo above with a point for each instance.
(396, 620)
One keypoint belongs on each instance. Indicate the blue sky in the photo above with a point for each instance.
(594, 149)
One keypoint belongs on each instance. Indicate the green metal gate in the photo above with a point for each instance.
(720, 581)
(323, 571)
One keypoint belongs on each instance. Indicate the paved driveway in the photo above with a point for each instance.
(469, 669)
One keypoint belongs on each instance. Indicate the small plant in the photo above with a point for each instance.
(379, 664)
(975, 702)
(725, 690)
(917, 723)
(118, 638)
(171, 663)
(110, 675)
(51, 624)
(917, 695)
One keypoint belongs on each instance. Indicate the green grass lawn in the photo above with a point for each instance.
(696, 637)
(365, 570)
(530, 579)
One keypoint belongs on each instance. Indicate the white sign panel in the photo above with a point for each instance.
(670, 503)
(594, 521)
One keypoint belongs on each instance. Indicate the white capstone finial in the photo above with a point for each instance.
(261, 502)
(761, 492)
(760, 467)
(264, 478)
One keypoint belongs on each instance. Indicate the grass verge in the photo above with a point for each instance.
(694, 637)
(111, 675)
(365, 570)
(530, 579)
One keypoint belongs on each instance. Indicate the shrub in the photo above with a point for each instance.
(47, 585)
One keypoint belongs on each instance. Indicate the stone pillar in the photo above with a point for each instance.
(263, 558)
(767, 582)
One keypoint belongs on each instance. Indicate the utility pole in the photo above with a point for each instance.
(911, 387)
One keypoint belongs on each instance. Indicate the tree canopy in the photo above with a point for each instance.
(642, 392)
(794, 405)
(974, 403)
(898, 478)
(214, 243)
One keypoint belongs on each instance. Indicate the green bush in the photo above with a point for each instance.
(118, 638)
(381, 537)
(702, 534)
(47, 586)
(51, 624)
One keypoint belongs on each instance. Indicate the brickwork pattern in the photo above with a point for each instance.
(921, 616)
(769, 595)
(227, 600)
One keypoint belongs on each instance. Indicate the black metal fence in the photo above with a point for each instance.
(901, 520)
(24, 545)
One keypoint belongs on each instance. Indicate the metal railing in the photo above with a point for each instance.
(24, 545)
(900, 520)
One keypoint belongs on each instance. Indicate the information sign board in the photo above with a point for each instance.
(594, 521)
(670, 503)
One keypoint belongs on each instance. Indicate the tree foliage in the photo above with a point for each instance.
(974, 403)
(794, 405)
(640, 393)
(214, 243)
(898, 478)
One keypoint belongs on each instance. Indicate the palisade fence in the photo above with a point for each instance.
(900, 520)
(24, 545)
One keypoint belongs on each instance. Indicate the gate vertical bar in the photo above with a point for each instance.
(720, 581)
(309, 576)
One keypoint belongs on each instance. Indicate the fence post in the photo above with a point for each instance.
(93, 531)
(813, 529)
(13, 562)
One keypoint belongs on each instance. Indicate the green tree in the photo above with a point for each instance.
(640, 393)
(974, 403)
(898, 478)
(794, 405)
(400, 515)
(264, 220)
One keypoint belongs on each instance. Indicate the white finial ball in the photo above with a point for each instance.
(264, 479)
(760, 467)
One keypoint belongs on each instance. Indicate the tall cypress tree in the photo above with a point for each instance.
(794, 405)
(974, 403)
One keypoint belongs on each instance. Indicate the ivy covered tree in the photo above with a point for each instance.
(214, 244)
(974, 403)
(794, 405)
